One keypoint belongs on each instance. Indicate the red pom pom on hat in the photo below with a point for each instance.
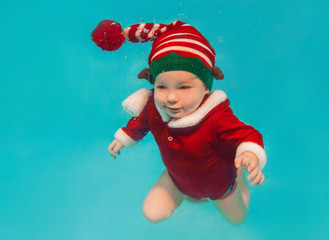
(108, 35)
(175, 46)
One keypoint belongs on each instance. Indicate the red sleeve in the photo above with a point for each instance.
(138, 127)
(243, 136)
(230, 128)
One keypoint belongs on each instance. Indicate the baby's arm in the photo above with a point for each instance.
(114, 148)
(137, 126)
(249, 142)
(251, 161)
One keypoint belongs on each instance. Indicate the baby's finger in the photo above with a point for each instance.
(112, 153)
(110, 147)
(116, 149)
(238, 161)
(262, 180)
(247, 161)
(252, 166)
(253, 174)
(257, 179)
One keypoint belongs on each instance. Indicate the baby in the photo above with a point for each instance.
(202, 143)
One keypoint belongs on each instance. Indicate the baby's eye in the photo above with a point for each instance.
(184, 87)
(161, 87)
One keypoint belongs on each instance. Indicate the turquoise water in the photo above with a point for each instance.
(60, 100)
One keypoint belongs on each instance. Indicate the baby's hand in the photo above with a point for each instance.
(114, 148)
(250, 160)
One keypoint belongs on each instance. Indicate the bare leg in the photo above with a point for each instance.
(242, 181)
(162, 200)
(235, 207)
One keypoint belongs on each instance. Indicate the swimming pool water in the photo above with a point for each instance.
(61, 104)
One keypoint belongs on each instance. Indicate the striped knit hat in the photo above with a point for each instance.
(177, 46)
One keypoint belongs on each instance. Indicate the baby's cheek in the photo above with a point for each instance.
(158, 98)
(192, 104)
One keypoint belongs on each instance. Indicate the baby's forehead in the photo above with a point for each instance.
(178, 76)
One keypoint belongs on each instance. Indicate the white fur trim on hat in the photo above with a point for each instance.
(124, 138)
(135, 103)
(254, 148)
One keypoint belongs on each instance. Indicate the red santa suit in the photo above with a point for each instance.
(199, 149)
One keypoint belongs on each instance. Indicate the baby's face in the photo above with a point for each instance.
(178, 93)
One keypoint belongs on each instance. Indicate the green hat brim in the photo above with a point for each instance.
(175, 62)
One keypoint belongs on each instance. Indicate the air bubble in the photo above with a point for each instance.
(220, 39)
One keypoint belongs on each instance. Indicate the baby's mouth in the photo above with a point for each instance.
(173, 110)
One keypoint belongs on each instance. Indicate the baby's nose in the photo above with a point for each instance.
(172, 97)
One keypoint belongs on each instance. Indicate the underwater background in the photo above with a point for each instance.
(60, 101)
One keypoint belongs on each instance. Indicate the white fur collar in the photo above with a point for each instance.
(135, 103)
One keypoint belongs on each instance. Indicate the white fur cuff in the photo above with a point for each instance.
(254, 148)
(124, 138)
(135, 103)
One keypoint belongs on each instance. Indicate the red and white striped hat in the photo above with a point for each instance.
(177, 46)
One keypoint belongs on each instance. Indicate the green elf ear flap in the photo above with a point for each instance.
(146, 74)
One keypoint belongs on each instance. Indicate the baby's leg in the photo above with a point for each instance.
(242, 181)
(162, 199)
(235, 207)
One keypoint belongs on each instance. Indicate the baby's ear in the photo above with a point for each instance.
(145, 74)
(218, 74)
